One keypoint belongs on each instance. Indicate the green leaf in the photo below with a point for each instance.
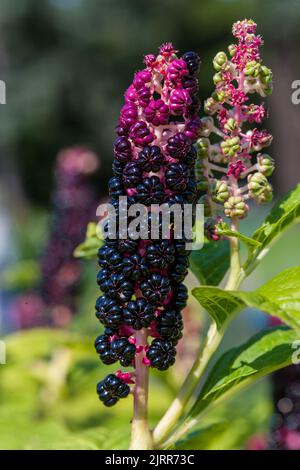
(211, 263)
(220, 304)
(285, 213)
(225, 231)
(265, 352)
(202, 438)
(278, 297)
(89, 248)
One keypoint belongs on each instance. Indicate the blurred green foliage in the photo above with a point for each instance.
(48, 387)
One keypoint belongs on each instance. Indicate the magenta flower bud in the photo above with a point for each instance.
(178, 145)
(167, 49)
(236, 169)
(122, 149)
(140, 134)
(130, 94)
(157, 112)
(176, 70)
(149, 60)
(141, 78)
(179, 101)
(129, 115)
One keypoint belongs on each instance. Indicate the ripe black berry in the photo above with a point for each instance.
(108, 257)
(103, 348)
(111, 389)
(103, 279)
(122, 149)
(150, 159)
(180, 297)
(135, 267)
(119, 288)
(160, 254)
(150, 191)
(115, 186)
(108, 312)
(117, 168)
(124, 350)
(170, 325)
(178, 145)
(161, 354)
(180, 269)
(139, 314)
(177, 176)
(132, 175)
(156, 288)
(192, 61)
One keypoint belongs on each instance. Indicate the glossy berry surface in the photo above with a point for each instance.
(111, 389)
(156, 288)
(170, 325)
(108, 312)
(139, 314)
(150, 159)
(160, 254)
(161, 354)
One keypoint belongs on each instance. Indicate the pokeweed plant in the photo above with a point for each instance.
(141, 281)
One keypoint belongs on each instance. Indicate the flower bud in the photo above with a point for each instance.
(219, 96)
(217, 78)
(206, 126)
(235, 207)
(253, 69)
(260, 188)
(266, 164)
(231, 125)
(210, 106)
(219, 61)
(230, 147)
(232, 49)
(202, 146)
(220, 192)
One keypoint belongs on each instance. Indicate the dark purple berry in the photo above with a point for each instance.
(150, 159)
(170, 325)
(192, 61)
(115, 187)
(139, 314)
(124, 350)
(156, 288)
(119, 288)
(150, 191)
(122, 149)
(135, 267)
(117, 168)
(177, 176)
(103, 279)
(108, 312)
(180, 269)
(109, 258)
(178, 145)
(160, 254)
(161, 354)
(111, 389)
(132, 175)
(102, 346)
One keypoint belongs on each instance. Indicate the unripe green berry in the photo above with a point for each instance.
(236, 207)
(202, 147)
(217, 78)
(219, 96)
(253, 69)
(210, 106)
(260, 188)
(232, 49)
(219, 61)
(231, 124)
(202, 183)
(230, 147)
(220, 191)
(206, 127)
(266, 164)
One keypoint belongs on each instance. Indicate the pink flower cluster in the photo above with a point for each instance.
(238, 153)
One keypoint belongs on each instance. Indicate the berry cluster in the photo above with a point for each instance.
(141, 280)
(223, 165)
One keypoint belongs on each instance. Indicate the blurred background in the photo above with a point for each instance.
(66, 64)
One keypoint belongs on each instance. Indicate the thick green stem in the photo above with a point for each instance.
(140, 434)
(214, 337)
(171, 417)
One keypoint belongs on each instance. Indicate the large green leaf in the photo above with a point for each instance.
(278, 297)
(211, 263)
(266, 352)
(284, 213)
